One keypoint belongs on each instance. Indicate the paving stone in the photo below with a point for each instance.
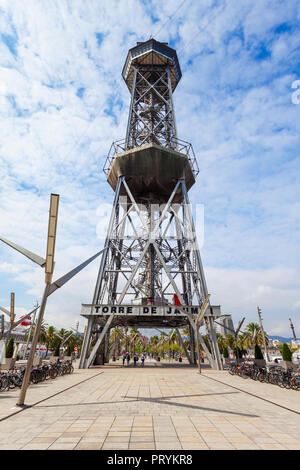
(115, 446)
(35, 446)
(141, 445)
(117, 439)
(88, 446)
(194, 446)
(42, 440)
(141, 438)
(167, 446)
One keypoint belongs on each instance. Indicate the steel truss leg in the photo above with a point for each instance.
(101, 337)
(85, 361)
(184, 347)
(192, 345)
(100, 353)
(211, 328)
(86, 343)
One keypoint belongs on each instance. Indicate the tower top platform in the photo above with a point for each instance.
(153, 53)
(152, 170)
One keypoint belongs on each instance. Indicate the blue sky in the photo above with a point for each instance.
(63, 102)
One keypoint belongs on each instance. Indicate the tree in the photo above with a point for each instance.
(207, 343)
(186, 338)
(126, 338)
(42, 335)
(175, 348)
(230, 341)
(221, 342)
(133, 335)
(254, 335)
(57, 349)
(50, 338)
(172, 339)
(72, 340)
(241, 345)
(10, 349)
(114, 347)
(154, 340)
(251, 332)
(286, 352)
(225, 352)
(237, 345)
(239, 352)
(257, 352)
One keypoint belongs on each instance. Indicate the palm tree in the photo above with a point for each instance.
(50, 338)
(230, 341)
(154, 340)
(71, 340)
(133, 335)
(186, 338)
(115, 341)
(175, 348)
(172, 338)
(42, 335)
(241, 344)
(251, 332)
(126, 339)
(254, 335)
(221, 342)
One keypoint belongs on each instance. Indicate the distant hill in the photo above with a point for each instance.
(281, 339)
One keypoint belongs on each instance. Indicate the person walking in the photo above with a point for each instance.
(142, 360)
(124, 358)
(128, 358)
(135, 359)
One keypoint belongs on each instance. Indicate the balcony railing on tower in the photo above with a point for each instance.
(178, 145)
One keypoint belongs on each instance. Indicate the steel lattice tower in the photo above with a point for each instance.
(151, 273)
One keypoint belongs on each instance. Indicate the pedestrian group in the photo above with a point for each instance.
(126, 357)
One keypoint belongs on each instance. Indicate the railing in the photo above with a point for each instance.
(178, 145)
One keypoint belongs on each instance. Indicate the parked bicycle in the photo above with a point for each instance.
(274, 375)
(14, 377)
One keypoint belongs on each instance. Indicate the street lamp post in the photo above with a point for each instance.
(2, 326)
(54, 200)
(263, 334)
(12, 308)
(235, 339)
(29, 334)
(11, 314)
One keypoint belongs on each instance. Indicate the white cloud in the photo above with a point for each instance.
(296, 305)
(240, 291)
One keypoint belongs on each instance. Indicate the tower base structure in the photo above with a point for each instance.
(151, 255)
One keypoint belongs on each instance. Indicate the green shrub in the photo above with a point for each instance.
(257, 352)
(56, 350)
(225, 352)
(239, 353)
(286, 352)
(10, 349)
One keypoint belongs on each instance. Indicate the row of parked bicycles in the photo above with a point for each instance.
(273, 375)
(14, 377)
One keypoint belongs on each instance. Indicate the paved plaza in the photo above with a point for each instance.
(155, 407)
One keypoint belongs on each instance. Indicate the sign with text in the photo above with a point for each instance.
(140, 310)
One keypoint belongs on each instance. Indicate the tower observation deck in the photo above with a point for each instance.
(151, 273)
